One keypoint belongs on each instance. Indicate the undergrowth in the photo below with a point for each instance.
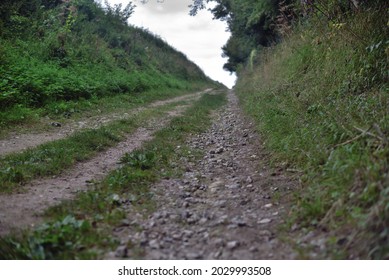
(53, 52)
(92, 215)
(321, 101)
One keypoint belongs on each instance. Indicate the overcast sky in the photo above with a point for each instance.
(199, 37)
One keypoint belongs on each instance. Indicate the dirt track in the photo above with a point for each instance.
(17, 142)
(229, 205)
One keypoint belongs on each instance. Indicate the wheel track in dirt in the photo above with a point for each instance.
(24, 210)
(19, 142)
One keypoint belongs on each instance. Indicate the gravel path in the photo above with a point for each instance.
(228, 205)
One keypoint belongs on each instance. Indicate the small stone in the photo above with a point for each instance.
(125, 223)
(121, 252)
(239, 221)
(233, 186)
(232, 244)
(218, 242)
(264, 221)
(249, 180)
(265, 233)
(268, 205)
(56, 124)
(193, 256)
(253, 249)
(154, 244)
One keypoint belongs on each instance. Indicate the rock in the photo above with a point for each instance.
(194, 256)
(264, 221)
(125, 223)
(153, 244)
(239, 221)
(249, 180)
(253, 249)
(232, 244)
(121, 252)
(56, 124)
(234, 186)
(268, 205)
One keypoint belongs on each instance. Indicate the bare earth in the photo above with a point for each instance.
(41, 194)
(229, 205)
(18, 142)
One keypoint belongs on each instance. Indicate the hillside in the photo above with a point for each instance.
(53, 53)
(292, 163)
(320, 99)
(314, 76)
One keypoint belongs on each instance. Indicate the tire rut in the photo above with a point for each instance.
(24, 210)
(19, 142)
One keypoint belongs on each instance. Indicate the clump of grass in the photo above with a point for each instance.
(321, 102)
(101, 207)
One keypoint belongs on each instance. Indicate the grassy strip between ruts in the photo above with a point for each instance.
(53, 157)
(30, 119)
(81, 229)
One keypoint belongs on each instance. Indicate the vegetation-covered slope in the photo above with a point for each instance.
(56, 51)
(317, 85)
(321, 100)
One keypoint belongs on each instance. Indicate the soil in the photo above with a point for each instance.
(228, 205)
(44, 193)
(16, 142)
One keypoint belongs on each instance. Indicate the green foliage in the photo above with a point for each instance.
(252, 24)
(58, 240)
(321, 101)
(55, 51)
(139, 159)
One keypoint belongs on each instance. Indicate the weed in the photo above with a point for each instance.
(139, 159)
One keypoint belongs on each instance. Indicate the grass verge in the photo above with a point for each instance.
(81, 229)
(321, 102)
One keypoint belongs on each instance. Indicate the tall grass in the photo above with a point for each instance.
(321, 101)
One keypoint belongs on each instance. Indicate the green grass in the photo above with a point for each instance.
(321, 101)
(93, 214)
(53, 157)
(24, 119)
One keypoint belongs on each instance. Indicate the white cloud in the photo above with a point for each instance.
(199, 37)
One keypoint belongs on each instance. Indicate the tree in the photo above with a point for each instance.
(251, 22)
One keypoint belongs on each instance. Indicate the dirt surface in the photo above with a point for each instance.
(24, 209)
(228, 205)
(18, 142)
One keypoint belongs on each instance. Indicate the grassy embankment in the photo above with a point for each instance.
(61, 58)
(82, 228)
(321, 101)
